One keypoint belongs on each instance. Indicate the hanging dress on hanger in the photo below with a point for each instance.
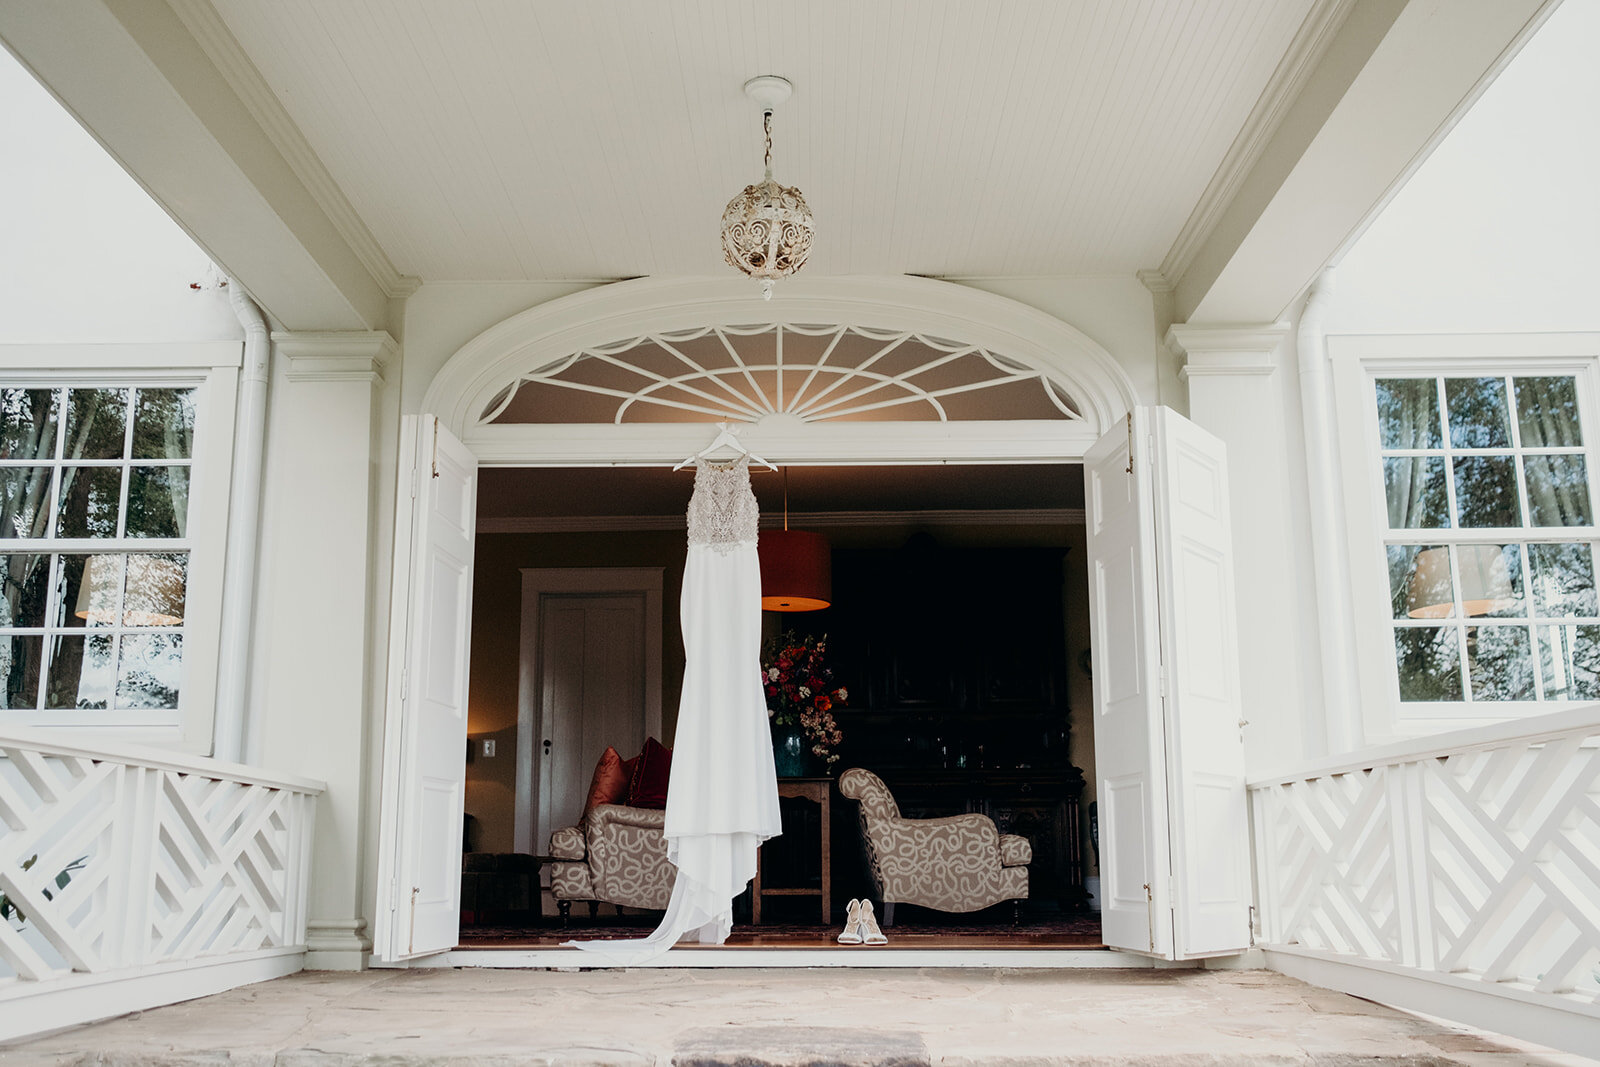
(722, 796)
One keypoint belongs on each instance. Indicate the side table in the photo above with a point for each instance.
(820, 792)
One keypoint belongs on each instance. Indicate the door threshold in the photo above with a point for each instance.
(715, 956)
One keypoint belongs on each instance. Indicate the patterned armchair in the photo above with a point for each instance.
(618, 855)
(960, 863)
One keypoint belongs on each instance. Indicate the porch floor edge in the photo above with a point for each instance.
(722, 957)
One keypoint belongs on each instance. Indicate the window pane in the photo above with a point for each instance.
(24, 589)
(90, 601)
(156, 590)
(1569, 657)
(28, 422)
(96, 420)
(148, 675)
(1415, 487)
(1478, 415)
(1558, 490)
(24, 501)
(1428, 659)
(1408, 413)
(1563, 580)
(163, 424)
(1502, 668)
(89, 502)
(20, 658)
(158, 501)
(1547, 412)
(1491, 580)
(80, 672)
(1419, 582)
(1486, 492)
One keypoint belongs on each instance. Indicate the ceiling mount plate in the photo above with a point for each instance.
(768, 90)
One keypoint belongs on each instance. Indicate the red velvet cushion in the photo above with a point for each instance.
(648, 788)
(610, 782)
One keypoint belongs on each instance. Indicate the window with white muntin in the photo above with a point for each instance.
(94, 550)
(1490, 537)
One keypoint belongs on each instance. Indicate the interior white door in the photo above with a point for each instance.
(425, 728)
(1129, 737)
(1174, 837)
(591, 694)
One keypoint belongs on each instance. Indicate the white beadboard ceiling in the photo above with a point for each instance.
(509, 139)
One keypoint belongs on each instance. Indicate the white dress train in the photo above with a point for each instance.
(722, 797)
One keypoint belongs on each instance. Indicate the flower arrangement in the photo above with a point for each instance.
(800, 691)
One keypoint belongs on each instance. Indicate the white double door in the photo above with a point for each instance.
(1175, 848)
(1174, 865)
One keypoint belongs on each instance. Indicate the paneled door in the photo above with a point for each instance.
(425, 726)
(1168, 749)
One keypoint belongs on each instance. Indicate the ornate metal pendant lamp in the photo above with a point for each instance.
(767, 229)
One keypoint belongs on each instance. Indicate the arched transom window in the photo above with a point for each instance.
(743, 373)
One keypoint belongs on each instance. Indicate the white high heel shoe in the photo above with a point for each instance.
(852, 924)
(870, 934)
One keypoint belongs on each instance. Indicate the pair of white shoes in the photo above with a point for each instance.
(861, 926)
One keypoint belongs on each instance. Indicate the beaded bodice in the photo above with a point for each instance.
(722, 509)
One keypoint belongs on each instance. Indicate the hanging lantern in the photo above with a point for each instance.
(767, 228)
(796, 566)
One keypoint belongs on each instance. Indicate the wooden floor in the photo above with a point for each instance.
(1082, 934)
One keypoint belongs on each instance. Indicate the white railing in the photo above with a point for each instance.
(1471, 860)
(116, 867)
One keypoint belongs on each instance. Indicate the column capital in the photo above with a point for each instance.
(1232, 349)
(336, 355)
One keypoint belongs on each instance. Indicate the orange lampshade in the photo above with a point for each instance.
(1485, 582)
(796, 570)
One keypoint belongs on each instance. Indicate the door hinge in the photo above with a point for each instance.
(405, 682)
(1172, 893)
(394, 894)
(1150, 453)
(1161, 682)
(1254, 918)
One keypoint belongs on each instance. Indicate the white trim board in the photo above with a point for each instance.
(1498, 1007)
(807, 519)
(715, 956)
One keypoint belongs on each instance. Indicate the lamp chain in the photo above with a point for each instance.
(766, 127)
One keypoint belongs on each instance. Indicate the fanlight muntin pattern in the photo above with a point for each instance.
(811, 373)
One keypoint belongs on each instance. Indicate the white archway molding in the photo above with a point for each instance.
(500, 356)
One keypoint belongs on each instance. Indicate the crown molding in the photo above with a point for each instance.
(808, 519)
(1227, 349)
(1310, 44)
(211, 33)
(336, 355)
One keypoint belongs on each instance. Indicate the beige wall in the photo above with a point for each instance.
(496, 649)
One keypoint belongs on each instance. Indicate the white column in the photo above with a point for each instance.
(1239, 390)
(311, 684)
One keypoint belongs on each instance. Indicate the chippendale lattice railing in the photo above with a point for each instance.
(117, 863)
(1474, 856)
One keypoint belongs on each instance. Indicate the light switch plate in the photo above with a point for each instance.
(488, 747)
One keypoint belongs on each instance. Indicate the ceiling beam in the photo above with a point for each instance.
(135, 77)
(1388, 87)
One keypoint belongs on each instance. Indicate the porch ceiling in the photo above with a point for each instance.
(508, 140)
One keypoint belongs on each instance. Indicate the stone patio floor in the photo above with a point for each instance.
(788, 1017)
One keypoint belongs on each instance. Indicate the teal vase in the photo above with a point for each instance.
(790, 753)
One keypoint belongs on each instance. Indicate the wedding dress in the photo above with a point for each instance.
(722, 796)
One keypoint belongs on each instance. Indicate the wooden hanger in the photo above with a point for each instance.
(729, 437)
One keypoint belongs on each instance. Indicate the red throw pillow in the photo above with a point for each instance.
(648, 787)
(610, 782)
